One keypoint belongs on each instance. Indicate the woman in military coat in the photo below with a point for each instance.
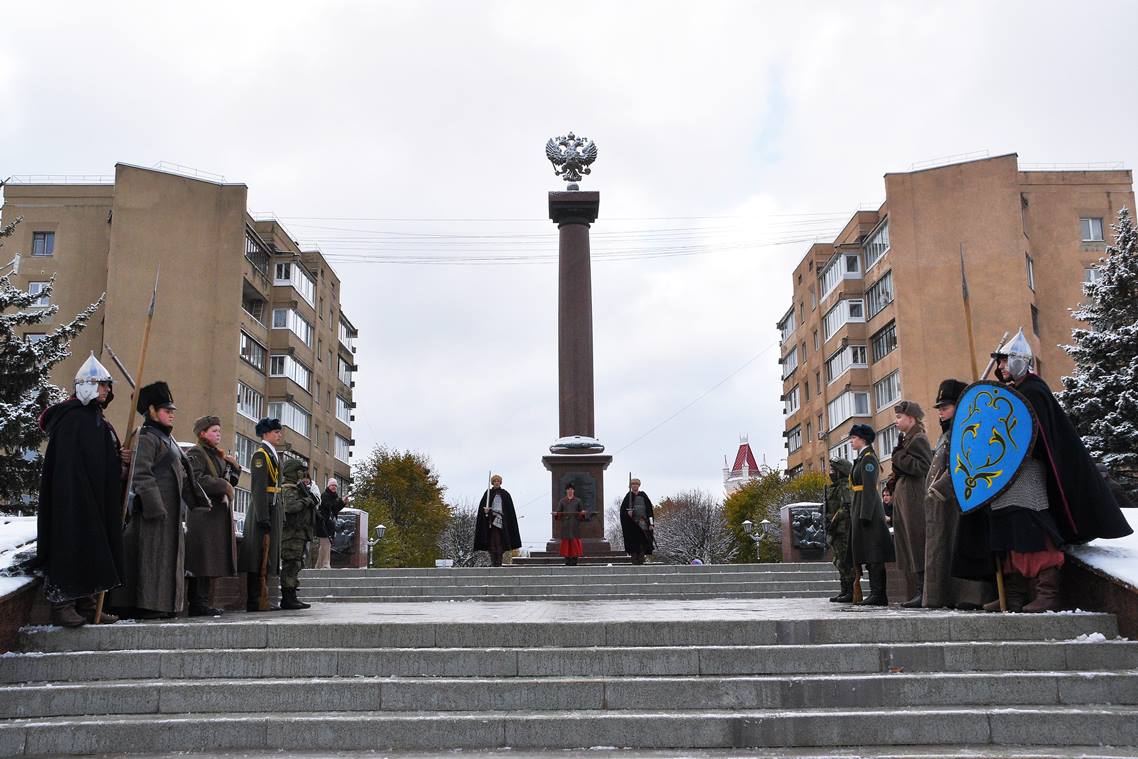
(211, 544)
(870, 541)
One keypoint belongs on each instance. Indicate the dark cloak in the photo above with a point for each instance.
(511, 537)
(636, 540)
(80, 544)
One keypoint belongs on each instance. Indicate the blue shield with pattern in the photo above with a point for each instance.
(992, 433)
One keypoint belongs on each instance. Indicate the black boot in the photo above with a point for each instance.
(197, 590)
(846, 596)
(877, 596)
(290, 602)
(918, 600)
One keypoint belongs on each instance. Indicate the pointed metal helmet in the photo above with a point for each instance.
(1020, 357)
(92, 372)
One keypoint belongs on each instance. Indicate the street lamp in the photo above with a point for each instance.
(380, 530)
(757, 535)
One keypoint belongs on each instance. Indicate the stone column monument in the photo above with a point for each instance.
(576, 456)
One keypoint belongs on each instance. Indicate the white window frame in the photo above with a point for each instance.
(886, 441)
(879, 295)
(843, 311)
(292, 415)
(254, 348)
(890, 382)
(296, 277)
(792, 402)
(346, 336)
(343, 449)
(48, 246)
(794, 439)
(1030, 262)
(842, 450)
(343, 410)
(1091, 274)
(344, 372)
(294, 322)
(243, 449)
(844, 359)
(845, 406)
(246, 395)
(877, 245)
(790, 362)
(35, 288)
(787, 326)
(242, 498)
(1089, 226)
(284, 365)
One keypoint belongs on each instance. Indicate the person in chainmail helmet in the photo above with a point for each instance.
(838, 500)
(80, 544)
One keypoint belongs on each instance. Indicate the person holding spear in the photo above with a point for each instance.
(496, 526)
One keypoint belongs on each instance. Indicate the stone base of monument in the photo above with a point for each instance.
(595, 557)
(586, 473)
(803, 532)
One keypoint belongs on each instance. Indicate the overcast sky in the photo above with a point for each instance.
(730, 136)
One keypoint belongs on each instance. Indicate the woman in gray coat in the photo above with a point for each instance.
(211, 544)
(164, 489)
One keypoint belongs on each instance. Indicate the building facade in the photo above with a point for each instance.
(878, 314)
(247, 324)
(744, 469)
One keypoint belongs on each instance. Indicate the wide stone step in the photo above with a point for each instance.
(627, 597)
(594, 580)
(561, 694)
(305, 630)
(578, 571)
(979, 656)
(671, 728)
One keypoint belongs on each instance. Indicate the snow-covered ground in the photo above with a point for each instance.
(17, 534)
(1117, 558)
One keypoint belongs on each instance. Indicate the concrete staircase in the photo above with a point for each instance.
(623, 582)
(680, 674)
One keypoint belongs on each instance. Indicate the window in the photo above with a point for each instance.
(887, 391)
(845, 266)
(1030, 272)
(243, 448)
(288, 318)
(887, 441)
(795, 472)
(821, 427)
(347, 335)
(787, 325)
(806, 389)
(255, 307)
(343, 410)
(34, 337)
(884, 341)
(794, 439)
(250, 403)
(813, 298)
(291, 415)
(253, 352)
(808, 430)
(842, 361)
(257, 254)
(842, 450)
(880, 294)
(287, 366)
(877, 245)
(1091, 274)
(1091, 228)
(343, 449)
(789, 362)
(293, 274)
(43, 243)
(849, 404)
(35, 288)
(818, 384)
(816, 344)
(241, 499)
(852, 310)
(344, 372)
(791, 404)
(1035, 320)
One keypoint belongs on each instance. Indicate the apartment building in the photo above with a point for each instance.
(247, 324)
(877, 314)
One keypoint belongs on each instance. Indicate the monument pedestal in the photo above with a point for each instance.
(586, 472)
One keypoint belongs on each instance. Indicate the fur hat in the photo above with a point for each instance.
(910, 408)
(156, 394)
(949, 392)
(863, 431)
(267, 425)
(203, 424)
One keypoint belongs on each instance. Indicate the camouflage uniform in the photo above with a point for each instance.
(838, 500)
(299, 507)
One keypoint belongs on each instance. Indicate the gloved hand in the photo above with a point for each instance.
(866, 522)
(264, 525)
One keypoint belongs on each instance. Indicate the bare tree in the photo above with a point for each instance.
(693, 525)
(457, 540)
(613, 533)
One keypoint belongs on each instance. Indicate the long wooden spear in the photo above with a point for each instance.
(130, 417)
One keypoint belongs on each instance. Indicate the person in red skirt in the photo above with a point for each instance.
(571, 512)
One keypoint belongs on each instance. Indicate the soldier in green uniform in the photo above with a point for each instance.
(263, 520)
(298, 504)
(838, 500)
(871, 543)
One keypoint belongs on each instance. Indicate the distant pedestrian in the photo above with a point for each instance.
(496, 523)
(79, 521)
(636, 523)
(887, 502)
(911, 460)
(571, 513)
(165, 490)
(331, 504)
(211, 542)
(870, 541)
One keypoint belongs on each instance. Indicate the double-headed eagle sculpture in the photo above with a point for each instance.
(571, 156)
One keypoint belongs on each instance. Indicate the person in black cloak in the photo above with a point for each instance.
(1058, 498)
(80, 546)
(496, 526)
(636, 522)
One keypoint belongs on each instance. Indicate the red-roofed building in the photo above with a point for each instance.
(744, 470)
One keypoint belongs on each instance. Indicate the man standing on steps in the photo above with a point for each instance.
(871, 543)
(496, 524)
(636, 523)
(263, 519)
(298, 505)
(911, 460)
(838, 500)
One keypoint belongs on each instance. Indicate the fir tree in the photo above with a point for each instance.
(1102, 395)
(25, 390)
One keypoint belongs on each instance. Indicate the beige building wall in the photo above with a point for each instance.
(1001, 217)
(114, 237)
